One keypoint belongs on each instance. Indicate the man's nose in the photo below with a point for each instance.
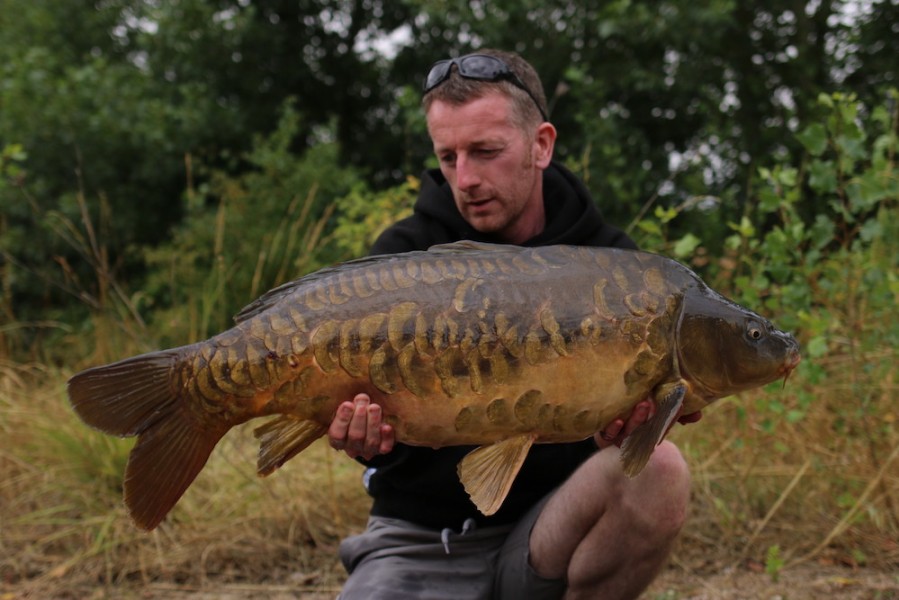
(467, 176)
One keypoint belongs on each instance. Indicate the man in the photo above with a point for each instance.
(572, 525)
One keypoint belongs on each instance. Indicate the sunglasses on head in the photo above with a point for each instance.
(480, 67)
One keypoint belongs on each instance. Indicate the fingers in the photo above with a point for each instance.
(337, 432)
(608, 436)
(359, 430)
(690, 418)
(388, 439)
(643, 411)
(615, 432)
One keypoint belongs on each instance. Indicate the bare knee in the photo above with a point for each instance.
(660, 494)
(643, 515)
(668, 464)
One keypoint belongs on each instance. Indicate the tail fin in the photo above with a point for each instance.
(137, 396)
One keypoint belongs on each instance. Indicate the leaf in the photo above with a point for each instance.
(774, 562)
(769, 201)
(871, 231)
(821, 232)
(822, 176)
(816, 347)
(794, 416)
(788, 176)
(650, 227)
(686, 245)
(814, 138)
(867, 190)
(853, 146)
(744, 228)
(733, 242)
(665, 215)
(575, 74)
(825, 99)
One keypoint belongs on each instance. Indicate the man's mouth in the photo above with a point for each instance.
(479, 203)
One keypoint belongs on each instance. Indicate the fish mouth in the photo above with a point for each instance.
(792, 361)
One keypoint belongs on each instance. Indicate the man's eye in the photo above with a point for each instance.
(488, 152)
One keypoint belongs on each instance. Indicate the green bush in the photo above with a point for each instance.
(244, 234)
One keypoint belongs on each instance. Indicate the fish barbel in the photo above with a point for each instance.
(465, 344)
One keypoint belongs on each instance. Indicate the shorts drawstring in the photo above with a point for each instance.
(467, 527)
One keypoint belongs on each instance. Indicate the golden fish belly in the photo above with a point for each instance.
(566, 399)
(559, 392)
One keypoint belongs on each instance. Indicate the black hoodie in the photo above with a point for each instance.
(571, 218)
(420, 484)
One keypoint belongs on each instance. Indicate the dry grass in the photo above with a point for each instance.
(822, 488)
(771, 497)
(63, 526)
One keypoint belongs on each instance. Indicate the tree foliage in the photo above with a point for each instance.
(161, 145)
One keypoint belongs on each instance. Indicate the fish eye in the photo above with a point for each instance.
(754, 331)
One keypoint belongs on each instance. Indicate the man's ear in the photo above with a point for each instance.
(544, 142)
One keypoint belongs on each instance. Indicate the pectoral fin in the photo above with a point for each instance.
(283, 438)
(488, 472)
(640, 444)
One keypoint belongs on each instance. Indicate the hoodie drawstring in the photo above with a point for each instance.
(467, 527)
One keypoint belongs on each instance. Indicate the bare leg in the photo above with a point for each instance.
(610, 535)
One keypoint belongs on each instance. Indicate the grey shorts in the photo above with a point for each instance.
(398, 560)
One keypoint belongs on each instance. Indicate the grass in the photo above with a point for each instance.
(816, 487)
(813, 488)
(63, 525)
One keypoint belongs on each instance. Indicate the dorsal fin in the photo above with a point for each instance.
(275, 295)
(472, 246)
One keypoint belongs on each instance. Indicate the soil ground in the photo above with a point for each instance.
(804, 582)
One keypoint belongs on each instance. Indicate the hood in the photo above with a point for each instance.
(572, 217)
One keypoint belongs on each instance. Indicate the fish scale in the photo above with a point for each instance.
(467, 344)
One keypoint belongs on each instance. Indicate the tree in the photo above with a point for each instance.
(128, 109)
(666, 101)
(141, 102)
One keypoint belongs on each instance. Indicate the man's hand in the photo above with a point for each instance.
(617, 430)
(358, 429)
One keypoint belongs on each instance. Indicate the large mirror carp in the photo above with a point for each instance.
(490, 345)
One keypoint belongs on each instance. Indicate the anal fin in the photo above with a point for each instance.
(641, 443)
(487, 473)
(283, 438)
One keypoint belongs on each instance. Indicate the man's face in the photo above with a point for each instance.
(495, 170)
